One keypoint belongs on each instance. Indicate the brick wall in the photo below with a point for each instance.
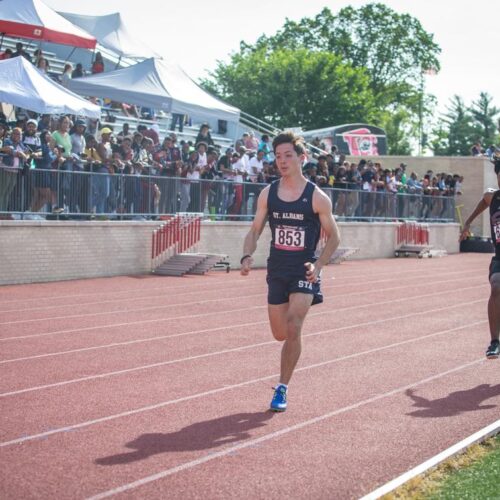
(38, 251)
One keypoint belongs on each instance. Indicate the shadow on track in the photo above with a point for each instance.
(199, 436)
(455, 403)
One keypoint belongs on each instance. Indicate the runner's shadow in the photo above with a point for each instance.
(198, 436)
(455, 403)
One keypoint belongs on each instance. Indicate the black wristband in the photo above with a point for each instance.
(244, 257)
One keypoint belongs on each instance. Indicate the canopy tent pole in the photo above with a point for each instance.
(118, 63)
(70, 54)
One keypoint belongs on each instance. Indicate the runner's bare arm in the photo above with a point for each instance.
(259, 221)
(322, 205)
(483, 204)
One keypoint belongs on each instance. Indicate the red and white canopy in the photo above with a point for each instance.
(35, 20)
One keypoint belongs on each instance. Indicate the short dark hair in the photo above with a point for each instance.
(290, 138)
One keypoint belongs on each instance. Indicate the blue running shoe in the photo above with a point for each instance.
(279, 399)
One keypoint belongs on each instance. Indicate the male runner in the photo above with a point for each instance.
(297, 210)
(491, 199)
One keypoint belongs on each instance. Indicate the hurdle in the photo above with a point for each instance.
(177, 234)
(412, 238)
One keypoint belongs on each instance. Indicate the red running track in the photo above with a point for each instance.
(154, 387)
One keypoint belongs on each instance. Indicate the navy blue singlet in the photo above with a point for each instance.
(495, 222)
(295, 229)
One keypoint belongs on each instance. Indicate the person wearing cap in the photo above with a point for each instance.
(491, 200)
(30, 137)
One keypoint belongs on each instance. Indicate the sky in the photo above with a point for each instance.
(198, 33)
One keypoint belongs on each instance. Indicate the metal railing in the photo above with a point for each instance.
(37, 193)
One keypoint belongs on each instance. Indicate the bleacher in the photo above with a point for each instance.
(114, 118)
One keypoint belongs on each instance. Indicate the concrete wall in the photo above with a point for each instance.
(478, 177)
(39, 251)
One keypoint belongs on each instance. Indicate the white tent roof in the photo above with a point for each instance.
(35, 20)
(21, 84)
(158, 85)
(112, 34)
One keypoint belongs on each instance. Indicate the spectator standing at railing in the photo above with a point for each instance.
(46, 159)
(491, 200)
(265, 145)
(31, 139)
(225, 167)
(190, 176)
(239, 170)
(78, 146)
(62, 139)
(209, 173)
(169, 157)
(16, 154)
(201, 148)
(252, 189)
(353, 183)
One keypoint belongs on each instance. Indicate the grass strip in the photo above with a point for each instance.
(470, 475)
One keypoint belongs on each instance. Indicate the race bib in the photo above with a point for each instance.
(496, 230)
(289, 238)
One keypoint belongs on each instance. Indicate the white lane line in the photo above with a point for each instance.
(272, 435)
(207, 301)
(221, 389)
(192, 285)
(479, 436)
(223, 286)
(210, 330)
(160, 320)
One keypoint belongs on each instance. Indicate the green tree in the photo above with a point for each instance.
(394, 48)
(456, 131)
(485, 115)
(288, 87)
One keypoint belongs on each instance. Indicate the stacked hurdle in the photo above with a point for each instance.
(412, 238)
(176, 235)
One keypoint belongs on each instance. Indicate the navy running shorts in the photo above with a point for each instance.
(494, 266)
(281, 286)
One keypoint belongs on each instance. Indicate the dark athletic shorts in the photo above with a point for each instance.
(280, 287)
(494, 266)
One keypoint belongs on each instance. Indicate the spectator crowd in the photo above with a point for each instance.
(50, 165)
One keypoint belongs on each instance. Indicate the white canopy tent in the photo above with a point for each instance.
(156, 84)
(34, 20)
(22, 85)
(112, 34)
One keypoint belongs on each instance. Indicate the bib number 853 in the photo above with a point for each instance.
(290, 239)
